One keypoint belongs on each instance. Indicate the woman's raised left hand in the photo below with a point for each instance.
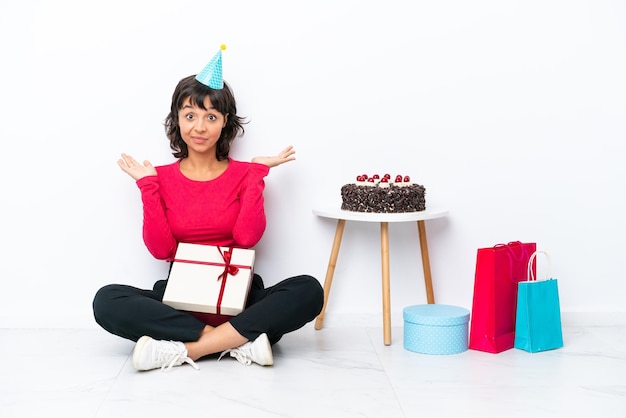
(284, 156)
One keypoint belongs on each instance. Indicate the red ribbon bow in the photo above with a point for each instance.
(228, 268)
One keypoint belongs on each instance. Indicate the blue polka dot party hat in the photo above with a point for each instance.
(211, 74)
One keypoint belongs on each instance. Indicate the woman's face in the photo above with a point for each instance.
(199, 128)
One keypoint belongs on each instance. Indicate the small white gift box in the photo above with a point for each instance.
(209, 279)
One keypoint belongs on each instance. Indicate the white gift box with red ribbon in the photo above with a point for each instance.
(210, 279)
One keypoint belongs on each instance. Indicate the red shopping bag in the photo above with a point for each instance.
(498, 270)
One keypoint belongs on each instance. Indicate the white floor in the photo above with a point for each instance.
(334, 372)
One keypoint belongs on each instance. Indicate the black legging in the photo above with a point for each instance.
(130, 312)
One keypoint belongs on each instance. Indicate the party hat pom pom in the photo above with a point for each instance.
(223, 47)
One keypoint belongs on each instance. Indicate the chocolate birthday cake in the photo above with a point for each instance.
(377, 194)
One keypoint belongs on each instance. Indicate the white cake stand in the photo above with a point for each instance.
(383, 218)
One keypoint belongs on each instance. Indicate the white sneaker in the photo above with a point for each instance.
(258, 351)
(151, 354)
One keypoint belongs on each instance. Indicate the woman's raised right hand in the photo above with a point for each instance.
(134, 169)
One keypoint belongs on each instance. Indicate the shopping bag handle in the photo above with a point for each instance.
(530, 275)
(510, 247)
(511, 254)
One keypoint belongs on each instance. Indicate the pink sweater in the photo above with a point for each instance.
(226, 211)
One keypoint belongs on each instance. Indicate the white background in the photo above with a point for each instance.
(511, 114)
